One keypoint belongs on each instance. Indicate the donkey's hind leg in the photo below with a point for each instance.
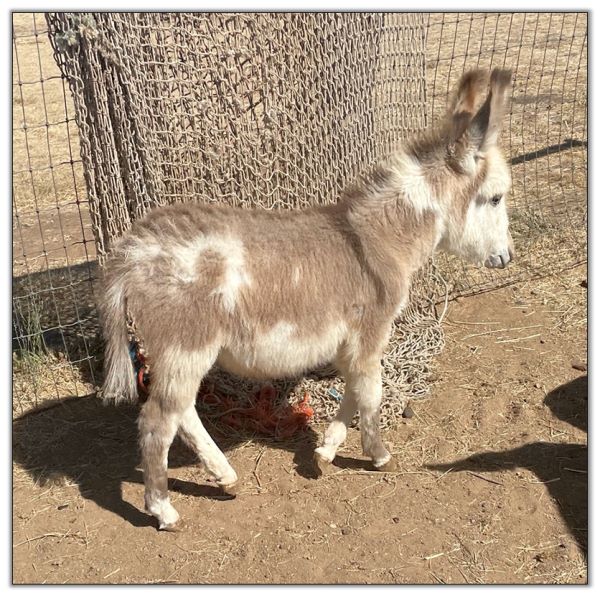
(364, 382)
(192, 431)
(176, 376)
(157, 429)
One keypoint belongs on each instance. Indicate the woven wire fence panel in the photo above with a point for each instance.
(270, 110)
(54, 321)
(544, 136)
(277, 110)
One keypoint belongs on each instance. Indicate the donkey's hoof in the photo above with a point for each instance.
(176, 526)
(388, 466)
(230, 490)
(322, 465)
(165, 514)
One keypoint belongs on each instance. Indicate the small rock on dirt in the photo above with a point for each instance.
(346, 531)
(396, 520)
(408, 412)
(583, 283)
(579, 365)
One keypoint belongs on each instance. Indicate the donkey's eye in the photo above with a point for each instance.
(495, 200)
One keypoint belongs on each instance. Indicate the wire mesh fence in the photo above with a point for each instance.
(53, 247)
(301, 78)
(545, 131)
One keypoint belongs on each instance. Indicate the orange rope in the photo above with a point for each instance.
(262, 416)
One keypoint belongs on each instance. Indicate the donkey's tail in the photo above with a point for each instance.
(119, 375)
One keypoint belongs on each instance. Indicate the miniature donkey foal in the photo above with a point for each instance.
(273, 294)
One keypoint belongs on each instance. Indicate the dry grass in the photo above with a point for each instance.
(39, 378)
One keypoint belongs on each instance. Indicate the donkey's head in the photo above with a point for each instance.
(477, 177)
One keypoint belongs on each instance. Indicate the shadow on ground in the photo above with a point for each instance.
(81, 441)
(562, 467)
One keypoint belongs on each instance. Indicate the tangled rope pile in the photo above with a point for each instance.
(263, 411)
(262, 415)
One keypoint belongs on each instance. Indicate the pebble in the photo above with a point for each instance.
(346, 531)
(408, 412)
(537, 385)
(578, 365)
(396, 520)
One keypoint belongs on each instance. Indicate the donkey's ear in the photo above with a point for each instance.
(487, 124)
(465, 100)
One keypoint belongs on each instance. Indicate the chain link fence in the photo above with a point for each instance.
(287, 108)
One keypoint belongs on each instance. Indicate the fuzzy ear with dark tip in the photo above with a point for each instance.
(465, 100)
(485, 128)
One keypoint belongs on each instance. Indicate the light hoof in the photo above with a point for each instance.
(176, 526)
(322, 465)
(163, 511)
(389, 466)
(230, 490)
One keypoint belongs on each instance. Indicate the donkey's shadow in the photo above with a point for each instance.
(81, 441)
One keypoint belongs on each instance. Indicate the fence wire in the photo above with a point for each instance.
(54, 256)
(545, 131)
(363, 83)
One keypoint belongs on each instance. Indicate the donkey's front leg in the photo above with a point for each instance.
(363, 381)
(335, 434)
(363, 392)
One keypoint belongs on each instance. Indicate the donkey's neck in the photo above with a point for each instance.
(396, 241)
(396, 214)
(398, 235)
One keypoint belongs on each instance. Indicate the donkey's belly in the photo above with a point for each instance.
(282, 352)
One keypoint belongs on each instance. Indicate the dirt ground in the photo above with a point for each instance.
(491, 487)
